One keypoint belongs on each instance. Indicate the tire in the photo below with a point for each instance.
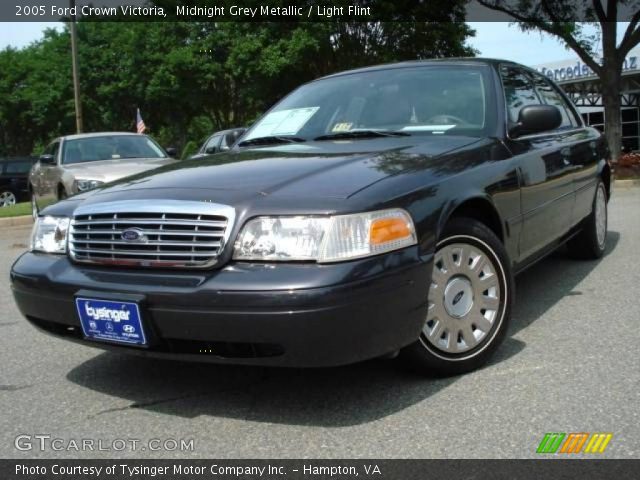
(468, 314)
(591, 242)
(7, 198)
(62, 193)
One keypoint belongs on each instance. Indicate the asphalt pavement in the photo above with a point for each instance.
(570, 363)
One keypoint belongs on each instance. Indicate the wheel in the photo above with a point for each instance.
(62, 193)
(470, 298)
(591, 242)
(7, 198)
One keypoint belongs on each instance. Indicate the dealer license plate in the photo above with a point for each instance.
(111, 321)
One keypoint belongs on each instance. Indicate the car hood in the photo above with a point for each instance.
(111, 170)
(317, 169)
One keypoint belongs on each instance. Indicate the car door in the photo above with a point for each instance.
(543, 161)
(584, 147)
(16, 173)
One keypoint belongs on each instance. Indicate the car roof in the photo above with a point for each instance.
(422, 63)
(96, 134)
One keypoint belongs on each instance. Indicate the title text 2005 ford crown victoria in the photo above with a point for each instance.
(371, 212)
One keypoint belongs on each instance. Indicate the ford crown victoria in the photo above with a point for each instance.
(377, 212)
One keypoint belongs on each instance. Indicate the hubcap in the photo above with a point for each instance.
(601, 216)
(464, 298)
(7, 199)
(458, 296)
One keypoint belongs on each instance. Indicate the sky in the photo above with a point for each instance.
(493, 39)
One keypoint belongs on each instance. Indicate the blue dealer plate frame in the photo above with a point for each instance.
(111, 321)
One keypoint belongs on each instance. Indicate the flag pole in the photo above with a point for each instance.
(74, 66)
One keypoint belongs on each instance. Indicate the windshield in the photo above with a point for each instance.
(110, 147)
(429, 100)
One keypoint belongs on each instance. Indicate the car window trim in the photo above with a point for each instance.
(506, 111)
(570, 113)
(568, 103)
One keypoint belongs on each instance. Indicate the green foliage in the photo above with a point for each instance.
(189, 149)
(190, 79)
(17, 210)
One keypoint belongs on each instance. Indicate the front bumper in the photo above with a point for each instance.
(299, 315)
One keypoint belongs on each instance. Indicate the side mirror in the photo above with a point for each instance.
(536, 119)
(47, 159)
(210, 150)
(172, 152)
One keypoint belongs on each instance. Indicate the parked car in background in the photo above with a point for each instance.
(219, 142)
(14, 172)
(377, 212)
(77, 163)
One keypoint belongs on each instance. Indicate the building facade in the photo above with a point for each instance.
(583, 87)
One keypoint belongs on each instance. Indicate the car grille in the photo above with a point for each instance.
(150, 233)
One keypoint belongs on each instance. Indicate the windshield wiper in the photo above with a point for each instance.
(363, 134)
(271, 140)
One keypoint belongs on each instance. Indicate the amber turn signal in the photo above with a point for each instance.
(385, 230)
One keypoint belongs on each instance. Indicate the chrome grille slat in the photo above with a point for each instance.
(152, 243)
(159, 221)
(143, 253)
(171, 233)
(200, 233)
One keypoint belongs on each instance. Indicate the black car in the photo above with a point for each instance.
(219, 142)
(374, 212)
(14, 172)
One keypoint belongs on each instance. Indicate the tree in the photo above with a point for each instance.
(36, 96)
(554, 17)
(192, 78)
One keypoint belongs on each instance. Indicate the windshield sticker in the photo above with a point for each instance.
(283, 122)
(342, 127)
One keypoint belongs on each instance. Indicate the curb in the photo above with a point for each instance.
(633, 182)
(16, 221)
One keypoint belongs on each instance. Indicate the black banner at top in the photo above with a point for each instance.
(306, 10)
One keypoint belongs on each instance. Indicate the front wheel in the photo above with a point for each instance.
(470, 299)
(62, 193)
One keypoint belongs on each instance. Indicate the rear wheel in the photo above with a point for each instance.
(470, 300)
(591, 242)
(7, 198)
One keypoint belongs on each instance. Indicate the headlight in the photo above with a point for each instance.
(50, 234)
(325, 239)
(84, 185)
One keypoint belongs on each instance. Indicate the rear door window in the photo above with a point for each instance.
(17, 168)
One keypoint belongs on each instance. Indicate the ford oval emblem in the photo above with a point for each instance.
(133, 235)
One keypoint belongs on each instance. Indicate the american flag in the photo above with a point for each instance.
(140, 126)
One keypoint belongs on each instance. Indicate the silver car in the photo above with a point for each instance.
(77, 163)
